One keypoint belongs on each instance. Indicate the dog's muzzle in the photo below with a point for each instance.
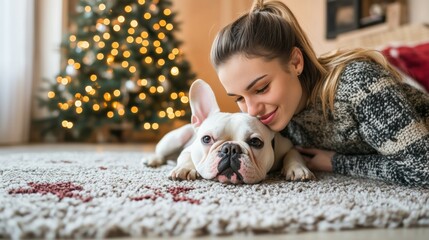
(230, 160)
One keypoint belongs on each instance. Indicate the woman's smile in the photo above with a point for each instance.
(268, 118)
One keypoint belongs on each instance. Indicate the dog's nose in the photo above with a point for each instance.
(230, 159)
(231, 149)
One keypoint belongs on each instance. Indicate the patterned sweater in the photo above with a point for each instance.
(379, 128)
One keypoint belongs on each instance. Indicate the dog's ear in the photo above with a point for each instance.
(203, 101)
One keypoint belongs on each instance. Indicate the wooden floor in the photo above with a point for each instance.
(366, 234)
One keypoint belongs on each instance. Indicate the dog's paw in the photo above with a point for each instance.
(152, 161)
(298, 172)
(181, 173)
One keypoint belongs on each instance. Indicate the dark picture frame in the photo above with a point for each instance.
(347, 15)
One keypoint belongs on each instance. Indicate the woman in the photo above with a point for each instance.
(347, 112)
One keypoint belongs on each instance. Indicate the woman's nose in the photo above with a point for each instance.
(252, 108)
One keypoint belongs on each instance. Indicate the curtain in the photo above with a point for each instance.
(16, 69)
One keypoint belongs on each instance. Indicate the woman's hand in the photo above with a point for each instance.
(316, 159)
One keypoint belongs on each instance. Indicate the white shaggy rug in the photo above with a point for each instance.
(75, 195)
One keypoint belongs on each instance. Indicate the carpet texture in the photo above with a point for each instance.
(66, 194)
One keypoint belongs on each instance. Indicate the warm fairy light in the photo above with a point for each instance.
(96, 107)
(147, 16)
(110, 114)
(171, 56)
(116, 28)
(96, 38)
(148, 60)
(131, 31)
(78, 95)
(130, 39)
(67, 124)
(153, 6)
(181, 94)
(139, 40)
(70, 61)
(169, 110)
(115, 44)
(114, 52)
(101, 44)
(162, 114)
(159, 50)
(121, 19)
(143, 50)
(161, 36)
(64, 81)
(83, 44)
(152, 89)
(171, 115)
(128, 8)
(142, 82)
(156, 26)
(155, 126)
(117, 93)
(93, 77)
(124, 64)
(134, 109)
(79, 110)
(100, 56)
(126, 54)
(115, 105)
(162, 22)
(173, 96)
(169, 27)
(110, 59)
(132, 69)
(160, 89)
(146, 126)
(85, 99)
(142, 96)
(134, 23)
(102, 6)
(175, 51)
(145, 43)
(141, 2)
(88, 9)
(178, 113)
(106, 21)
(161, 78)
(88, 89)
(121, 112)
(51, 94)
(161, 62)
(144, 34)
(167, 12)
(78, 103)
(174, 71)
(107, 96)
(72, 38)
(106, 35)
(184, 99)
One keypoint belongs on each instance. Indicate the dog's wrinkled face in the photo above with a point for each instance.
(233, 148)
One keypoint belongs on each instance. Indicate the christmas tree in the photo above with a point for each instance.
(123, 67)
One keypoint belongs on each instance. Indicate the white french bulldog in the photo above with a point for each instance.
(227, 147)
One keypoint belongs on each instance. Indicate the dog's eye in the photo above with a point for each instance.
(256, 143)
(206, 139)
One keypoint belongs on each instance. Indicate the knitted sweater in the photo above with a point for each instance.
(379, 128)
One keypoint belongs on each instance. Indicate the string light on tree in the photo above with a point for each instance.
(123, 66)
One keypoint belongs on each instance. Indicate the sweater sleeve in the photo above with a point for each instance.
(390, 124)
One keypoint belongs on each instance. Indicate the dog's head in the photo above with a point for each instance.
(229, 147)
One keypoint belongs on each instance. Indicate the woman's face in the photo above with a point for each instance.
(265, 89)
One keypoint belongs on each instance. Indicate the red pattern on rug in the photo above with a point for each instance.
(61, 190)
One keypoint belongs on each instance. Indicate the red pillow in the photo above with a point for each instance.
(412, 60)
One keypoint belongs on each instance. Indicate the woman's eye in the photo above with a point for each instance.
(239, 99)
(256, 143)
(206, 139)
(262, 90)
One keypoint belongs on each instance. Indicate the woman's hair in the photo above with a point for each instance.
(270, 30)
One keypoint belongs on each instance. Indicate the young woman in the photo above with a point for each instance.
(347, 112)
